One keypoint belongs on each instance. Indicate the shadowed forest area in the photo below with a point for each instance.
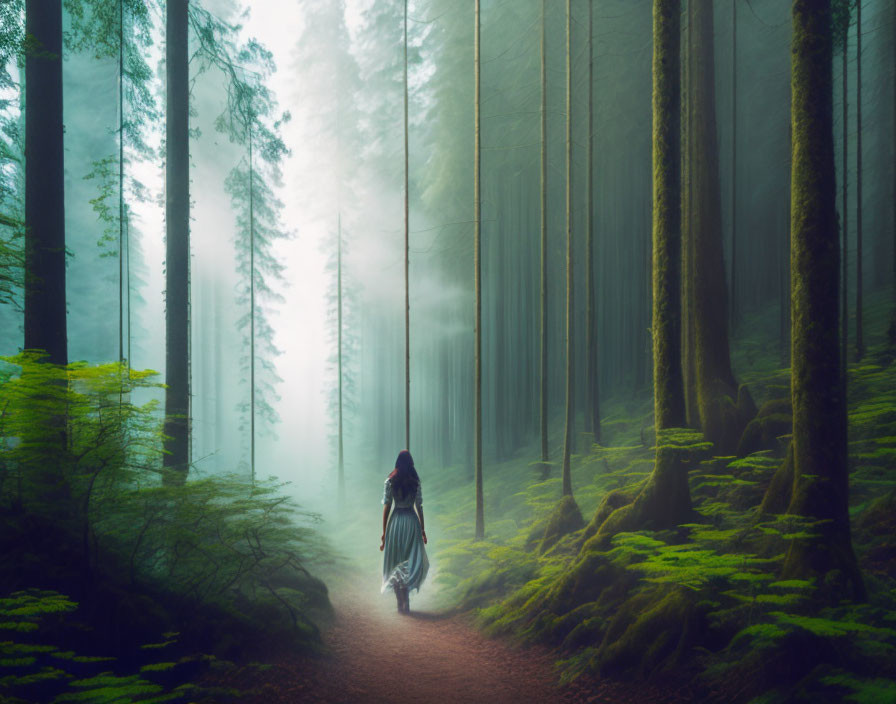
(621, 274)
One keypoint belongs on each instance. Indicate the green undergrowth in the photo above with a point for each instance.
(704, 601)
(163, 581)
(38, 662)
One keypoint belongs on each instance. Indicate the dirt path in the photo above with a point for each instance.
(378, 655)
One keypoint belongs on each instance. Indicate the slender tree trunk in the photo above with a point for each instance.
(407, 290)
(592, 404)
(543, 397)
(177, 246)
(689, 373)
(891, 332)
(477, 280)
(341, 466)
(45, 318)
(120, 184)
(844, 323)
(734, 162)
(127, 268)
(570, 340)
(860, 340)
(820, 485)
(251, 308)
(723, 411)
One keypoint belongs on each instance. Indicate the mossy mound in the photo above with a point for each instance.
(725, 418)
(773, 420)
(563, 520)
(652, 632)
(875, 529)
(612, 501)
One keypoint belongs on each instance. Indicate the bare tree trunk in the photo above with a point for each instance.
(689, 373)
(592, 402)
(407, 300)
(734, 311)
(251, 309)
(891, 332)
(477, 279)
(544, 253)
(860, 340)
(844, 323)
(45, 318)
(121, 276)
(45, 314)
(177, 259)
(570, 340)
(341, 465)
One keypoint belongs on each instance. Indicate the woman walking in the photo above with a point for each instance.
(404, 561)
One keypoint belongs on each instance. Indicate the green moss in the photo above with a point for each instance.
(564, 519)
(658, 637)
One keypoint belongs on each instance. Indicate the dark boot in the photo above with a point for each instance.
(405, 600)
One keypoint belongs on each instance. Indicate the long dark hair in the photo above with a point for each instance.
(404, 477)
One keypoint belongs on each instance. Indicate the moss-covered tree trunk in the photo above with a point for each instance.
(668, 392)
(177, 256)
(664, 500)
(820, 475)
(45, 319)
(722, 414)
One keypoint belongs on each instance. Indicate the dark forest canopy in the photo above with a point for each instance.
(622, 275)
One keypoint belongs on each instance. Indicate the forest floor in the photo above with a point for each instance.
(374, 654)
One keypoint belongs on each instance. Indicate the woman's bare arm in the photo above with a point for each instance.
(422, 528)
(386, 508)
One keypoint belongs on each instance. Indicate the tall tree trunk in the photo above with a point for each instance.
(723, 414)
(592, 402)
(821, 481)
(570, 281)
(341, 460)
(734, 162)
(477, 279)
(668, 393)
(251, 308)
(177, 245)
(45, 314)
(860, 340)
(688, 362)
(543, 396)
(407, 290)
(891, 332)
(844, 323)
(664, 501)
(45, 318)
(121, 274)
